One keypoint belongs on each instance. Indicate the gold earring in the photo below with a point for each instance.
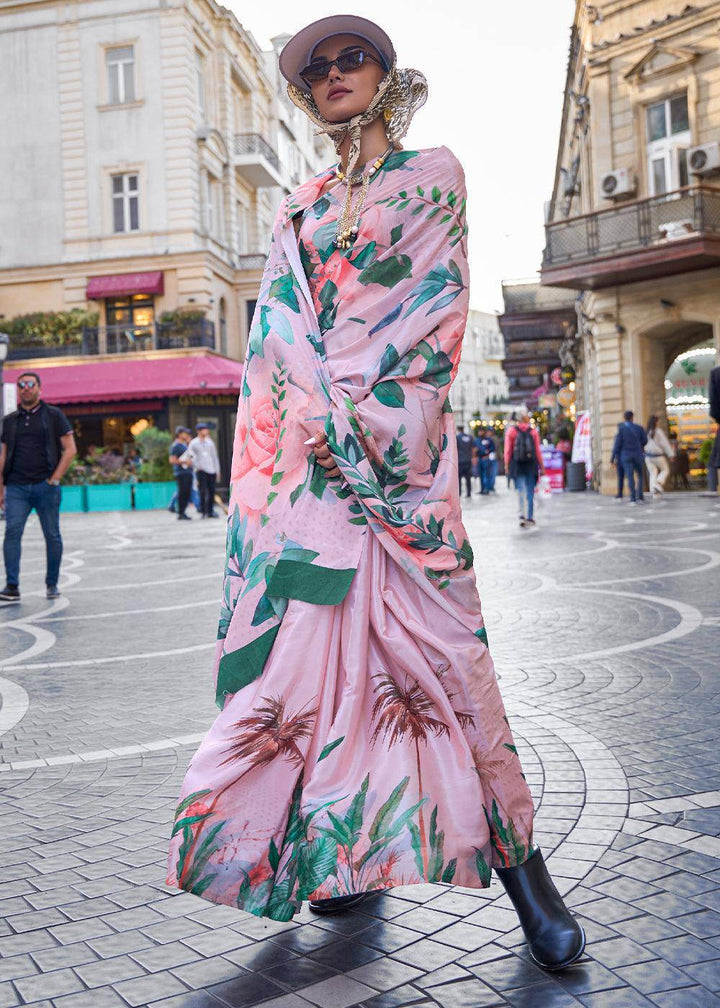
(388, 114)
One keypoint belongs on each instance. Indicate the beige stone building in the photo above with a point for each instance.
(634, 219)
(480, 390)
(141, 173)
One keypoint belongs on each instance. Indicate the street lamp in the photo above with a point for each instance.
(4, 346)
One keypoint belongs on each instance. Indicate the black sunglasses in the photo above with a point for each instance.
(346, 62)
(26, 384)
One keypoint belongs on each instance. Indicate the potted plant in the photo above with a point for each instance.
(156, 485)
(74, 491)
(107, 489)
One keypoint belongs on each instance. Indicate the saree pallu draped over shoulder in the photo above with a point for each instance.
(362, 741)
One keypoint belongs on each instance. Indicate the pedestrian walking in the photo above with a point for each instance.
(487, 461)
(524, 464)
(206, 465)
(619, 471)
(657, 453)
(465, 458)
(182, 470)
(714, 410)
(362, 742)
(628, 450)
(36, 449)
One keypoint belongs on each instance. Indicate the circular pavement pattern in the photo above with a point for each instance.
(604, 624)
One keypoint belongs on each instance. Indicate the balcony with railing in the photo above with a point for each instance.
(256, 160)
(654, 237)
(121, 339)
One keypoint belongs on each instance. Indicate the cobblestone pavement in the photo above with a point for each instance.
(604, 623)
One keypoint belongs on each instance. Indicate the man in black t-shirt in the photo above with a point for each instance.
(36, 448)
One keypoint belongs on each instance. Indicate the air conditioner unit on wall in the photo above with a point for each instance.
(618, 183)
(705, 159)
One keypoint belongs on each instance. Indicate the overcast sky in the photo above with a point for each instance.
(496, 74)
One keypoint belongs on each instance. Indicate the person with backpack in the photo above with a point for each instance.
(524, 465)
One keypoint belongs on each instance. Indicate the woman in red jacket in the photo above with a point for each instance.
(524, 464)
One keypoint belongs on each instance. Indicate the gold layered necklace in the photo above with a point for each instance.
(348, 224)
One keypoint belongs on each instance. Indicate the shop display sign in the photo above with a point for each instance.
(208, 400)
(582, 445)
(553, 460)
(556, 376)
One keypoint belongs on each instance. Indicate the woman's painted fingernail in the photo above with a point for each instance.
(310, 440)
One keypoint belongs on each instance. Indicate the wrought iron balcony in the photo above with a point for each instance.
(174, 336)
(119, 339)
(256, 160)
(251, 261)
(659, 236)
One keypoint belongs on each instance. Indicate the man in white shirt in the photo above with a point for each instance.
(205, 461)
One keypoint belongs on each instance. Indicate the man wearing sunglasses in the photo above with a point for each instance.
(36, 448)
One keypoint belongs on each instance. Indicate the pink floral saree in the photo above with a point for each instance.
(362, 741)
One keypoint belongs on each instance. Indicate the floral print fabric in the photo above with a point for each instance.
(362, 741)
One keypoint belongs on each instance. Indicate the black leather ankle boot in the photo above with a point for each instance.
(337, 903)
(554, 937)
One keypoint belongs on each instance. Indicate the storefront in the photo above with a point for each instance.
(110, 401)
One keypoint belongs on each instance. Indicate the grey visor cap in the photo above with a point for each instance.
(298, 51)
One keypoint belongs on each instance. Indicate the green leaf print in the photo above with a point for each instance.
(449, 874)
(437, 371)
(396, 234)
(188, 821)
(481, 634)
(388, 360)
(316, 861)
(483, 868)
(326, 318)
(191, 799)
(356, 812)
(273, 855)
(387, 810)
(505, 839)
(329, 748)
(387, 272)
(282, 290)
(389, 393)
(365, 256)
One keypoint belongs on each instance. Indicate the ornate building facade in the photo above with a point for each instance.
(146, 149)
(480, 390)
(634, 219)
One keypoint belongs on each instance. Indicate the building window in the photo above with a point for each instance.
(120, 65)
(222, 326)
(668, 133)
(200, 85)
(216, 198)
(125, 196)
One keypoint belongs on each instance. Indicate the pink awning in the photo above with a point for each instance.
(117, 380)
(116, 285)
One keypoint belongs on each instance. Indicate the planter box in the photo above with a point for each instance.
(73, 498)
(153, 495)
(109, 497)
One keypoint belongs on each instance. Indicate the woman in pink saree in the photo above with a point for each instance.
(362, 742)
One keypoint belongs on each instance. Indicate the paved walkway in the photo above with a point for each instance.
(605, 625)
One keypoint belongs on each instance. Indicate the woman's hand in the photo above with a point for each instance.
(322, 454)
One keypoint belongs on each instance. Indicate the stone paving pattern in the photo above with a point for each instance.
(604, 624)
